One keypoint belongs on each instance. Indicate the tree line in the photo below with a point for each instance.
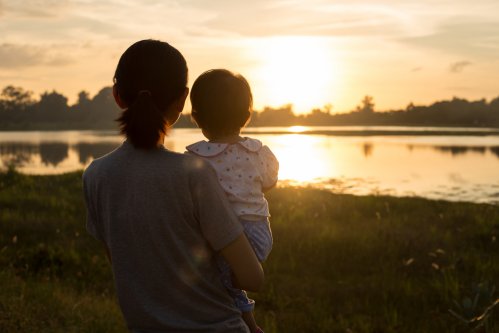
(19, 109)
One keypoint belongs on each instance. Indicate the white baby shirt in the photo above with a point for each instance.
(244, 170)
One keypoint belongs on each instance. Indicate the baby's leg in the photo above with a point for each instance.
(246, 305)
(259, 236)
(243, 303)
(250, 321)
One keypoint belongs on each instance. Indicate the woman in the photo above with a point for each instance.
(162, 216)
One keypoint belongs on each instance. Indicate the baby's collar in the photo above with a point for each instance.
(210, 149)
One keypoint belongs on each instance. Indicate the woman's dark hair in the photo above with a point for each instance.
(150, 76)
(221, 102)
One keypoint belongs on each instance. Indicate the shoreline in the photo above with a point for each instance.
(333, 130)
(287, 186)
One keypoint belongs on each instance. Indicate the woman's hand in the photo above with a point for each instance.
(246, 268)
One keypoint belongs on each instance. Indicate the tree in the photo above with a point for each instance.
(318, 116)
(103, 109)
(367, 105)
(15, 99)
(281, 116)
(53, 107)
(81, 108)
(83, 98)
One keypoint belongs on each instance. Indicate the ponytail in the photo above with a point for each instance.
(142, 122)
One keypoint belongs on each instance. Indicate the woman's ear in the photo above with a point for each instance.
(118, 99)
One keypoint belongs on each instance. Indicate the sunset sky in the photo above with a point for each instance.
(308, 53)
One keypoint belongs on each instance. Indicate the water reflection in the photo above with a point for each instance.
(461, 150)
(367, 149)
(301, 158)
(90, 151)
(443, 167)
(51, 154)
(16, 154)
(54, 153)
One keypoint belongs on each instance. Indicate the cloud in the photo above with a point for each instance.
(459, 88)
(462, 36)
(17, 77)
(314, 18)
(19, 56)
(459, 66)
(35, 8)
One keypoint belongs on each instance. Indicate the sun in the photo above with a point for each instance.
(298, 70)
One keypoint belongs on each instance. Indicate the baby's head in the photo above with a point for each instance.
(221, 103)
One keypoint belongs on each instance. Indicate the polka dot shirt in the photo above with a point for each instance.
(244, 169)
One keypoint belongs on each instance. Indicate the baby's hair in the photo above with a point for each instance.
(221, 102)
(150, 76)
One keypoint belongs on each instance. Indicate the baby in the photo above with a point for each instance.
(221, 107)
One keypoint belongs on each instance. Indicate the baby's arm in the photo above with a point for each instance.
(265, 189)
(270, 168)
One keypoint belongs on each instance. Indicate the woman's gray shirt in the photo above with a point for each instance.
(163, 217)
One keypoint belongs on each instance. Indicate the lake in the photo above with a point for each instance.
(458, 164)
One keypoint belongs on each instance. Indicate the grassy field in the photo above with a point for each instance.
(340, 263)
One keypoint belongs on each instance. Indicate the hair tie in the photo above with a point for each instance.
(145, 91)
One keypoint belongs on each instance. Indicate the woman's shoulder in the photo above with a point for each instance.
(193, 162)
(98, 164)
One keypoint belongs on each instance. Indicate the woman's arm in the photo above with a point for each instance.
(221, 227)
(247, 270)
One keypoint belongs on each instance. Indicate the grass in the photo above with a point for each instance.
(340, 263)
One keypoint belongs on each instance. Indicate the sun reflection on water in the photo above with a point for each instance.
(297, 129)
(301, 158)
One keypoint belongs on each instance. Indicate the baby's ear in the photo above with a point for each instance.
(118, 99)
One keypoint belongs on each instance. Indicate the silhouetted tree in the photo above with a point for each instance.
(16, 99)
(318, 117)
(281, 116)
(367, 105)
(14, 103)
(103, 109)
(52, 107)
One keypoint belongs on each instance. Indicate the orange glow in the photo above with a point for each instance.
(301, 158)
(302, 71)
(297, 129)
